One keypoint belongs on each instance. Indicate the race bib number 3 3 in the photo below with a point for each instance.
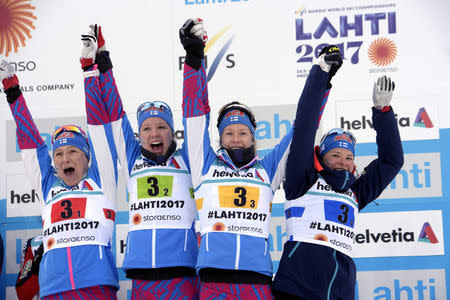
(154, 186)
(239, 196)
(69, 208)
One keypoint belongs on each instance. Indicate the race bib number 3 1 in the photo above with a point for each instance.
(69, 208)
(239, 196)
(154, 186)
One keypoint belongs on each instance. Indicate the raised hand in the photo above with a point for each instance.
(97, 30)
(383, 89)
(192, 31)
(89, 49)
(8, 77)
(6, 70)
(330, 59)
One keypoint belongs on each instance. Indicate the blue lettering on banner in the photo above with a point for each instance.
(264, 130)
(280, 233)
(339, 212)
(340, 29)
(418, 177)
(419, 291)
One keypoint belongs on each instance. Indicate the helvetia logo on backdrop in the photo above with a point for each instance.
(427, 234)
(423, 119)
(221, 55)
(16, 22)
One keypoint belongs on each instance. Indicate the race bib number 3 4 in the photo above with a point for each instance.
(239, 196)
(154, 186)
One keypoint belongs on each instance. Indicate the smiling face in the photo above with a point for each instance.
(339, 159)
(71, 164)
(155, 135)
(236, 136)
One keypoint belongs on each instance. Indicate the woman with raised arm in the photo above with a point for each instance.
(161, 243)
(233, 187)
(322, 205)
(79, 195)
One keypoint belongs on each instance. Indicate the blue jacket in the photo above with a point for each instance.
(225, 250)
(70, 268)
(148, 248)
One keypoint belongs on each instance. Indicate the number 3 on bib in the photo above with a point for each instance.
(239, 196)
(154, 186)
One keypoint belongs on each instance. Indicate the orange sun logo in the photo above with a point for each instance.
(137, 218)
(16, 19)
(219, 226)
(321, 237)
(50, 243)
(382, 52)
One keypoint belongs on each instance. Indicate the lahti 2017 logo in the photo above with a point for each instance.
(16, 19)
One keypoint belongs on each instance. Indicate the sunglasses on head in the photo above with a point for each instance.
(339, 131)
(156, 104)
(70, 128)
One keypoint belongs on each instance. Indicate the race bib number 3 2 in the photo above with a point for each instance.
(154, 186)
(239, 196)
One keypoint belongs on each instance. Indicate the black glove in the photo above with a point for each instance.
(339, 180)
(331, 61)
(193, 38)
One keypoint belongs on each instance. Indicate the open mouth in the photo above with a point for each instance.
(69, 171)
(156, 146)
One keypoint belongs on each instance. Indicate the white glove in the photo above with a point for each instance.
(97, 30)
(6, 70)
(89, 44)
(382, 91)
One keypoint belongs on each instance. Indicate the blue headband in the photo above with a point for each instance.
(157, 109)
(71, 138)
(235, 116)
(332, 141)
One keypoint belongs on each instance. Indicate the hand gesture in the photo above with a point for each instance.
(383, 89)
(89, 49)
(193, 36)
(330, 59)
(6, 70)
(90, 44)
(97, 30)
